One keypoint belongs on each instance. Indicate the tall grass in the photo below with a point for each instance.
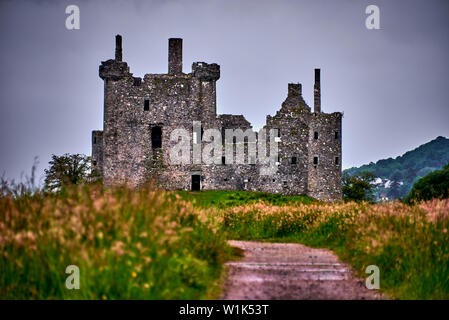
(128, 244)
(410, 244)
(147, 244)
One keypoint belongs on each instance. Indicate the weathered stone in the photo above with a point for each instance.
(136, 110)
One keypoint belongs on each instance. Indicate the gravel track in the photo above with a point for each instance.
(270, 271)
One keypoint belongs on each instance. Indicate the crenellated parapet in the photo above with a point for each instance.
(205, 71)
(113, 70)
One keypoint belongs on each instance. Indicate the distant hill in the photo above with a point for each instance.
(397, 176)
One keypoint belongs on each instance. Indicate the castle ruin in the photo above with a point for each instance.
(140, 116)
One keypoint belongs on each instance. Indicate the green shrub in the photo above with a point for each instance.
(433, 185)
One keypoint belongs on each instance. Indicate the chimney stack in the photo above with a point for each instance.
(118, 47)
(317, 92)
(175, 56)
(294, 89)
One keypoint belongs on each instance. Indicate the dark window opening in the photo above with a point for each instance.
(95, 140)
(137, 81)
(293, 160)
(146, 105)
(315, 160)
(196, 182)
(223, 160)
(279, 133)
(279, 159)
(156, 137)
(225, 179)
(223, 135)
(274, 180)
(285, 183)
(234, 140)
(94, 163)
(337, 160)
(336, 135)
(315, 135)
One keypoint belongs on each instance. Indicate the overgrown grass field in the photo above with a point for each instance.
(145, 244)
(127, 245)
(409, 244)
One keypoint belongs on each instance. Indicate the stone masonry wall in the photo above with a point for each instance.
(97, 151)
(325, 176)
(136, 109)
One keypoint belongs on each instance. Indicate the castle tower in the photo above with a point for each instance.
(105, 145)
(324, 170)
(207, 76)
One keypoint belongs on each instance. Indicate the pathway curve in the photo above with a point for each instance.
(291, 271)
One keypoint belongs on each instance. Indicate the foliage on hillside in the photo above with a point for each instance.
(405, 170)
(433, 185)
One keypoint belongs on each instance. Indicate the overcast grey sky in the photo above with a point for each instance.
(391, 84)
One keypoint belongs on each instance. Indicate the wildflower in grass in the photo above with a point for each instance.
(118, 248)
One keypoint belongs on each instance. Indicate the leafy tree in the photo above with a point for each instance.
(358, 187)
(433, 185)
(67, 169)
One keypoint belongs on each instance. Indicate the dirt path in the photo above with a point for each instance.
(291, 271)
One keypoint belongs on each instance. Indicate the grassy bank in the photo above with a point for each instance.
(127, 245)
(409, 244)
(225, 199)
(159, 245)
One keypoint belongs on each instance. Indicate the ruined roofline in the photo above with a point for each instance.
(234, 117)
(224, 115)
(116, 69)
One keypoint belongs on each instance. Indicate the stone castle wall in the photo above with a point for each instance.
(136, 109)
